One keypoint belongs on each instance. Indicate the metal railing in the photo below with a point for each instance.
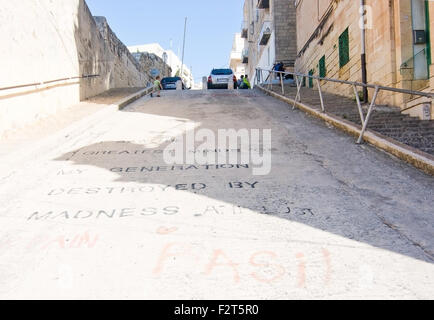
(299, 77)
(49, 82)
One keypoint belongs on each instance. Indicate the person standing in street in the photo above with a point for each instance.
(157, 87)
(278, 67)
(240, 82)
(246, 82)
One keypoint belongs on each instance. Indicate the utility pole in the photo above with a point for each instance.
(183, 48)
(363, 55)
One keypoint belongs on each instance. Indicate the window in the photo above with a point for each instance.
(311, 79)
(322, 67)
(170, 79)
(221, 72)
(344, 49)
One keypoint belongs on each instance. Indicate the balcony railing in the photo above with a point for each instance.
(265, 33)
(263, 4)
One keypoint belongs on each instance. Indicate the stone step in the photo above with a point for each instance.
(401, 133)
(394, 123)
(391, 123)
(397, 126)
(414, 135)
(355, 113)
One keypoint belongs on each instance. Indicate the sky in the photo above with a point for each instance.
(211, 27)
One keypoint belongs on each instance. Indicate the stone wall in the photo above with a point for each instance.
(47, 40)
(125, 70)
(388, 44)
(431, 15)
(149, 61)
(285, 28)
(321, 39)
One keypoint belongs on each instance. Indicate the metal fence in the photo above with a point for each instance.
(299, 78)
(49, 82)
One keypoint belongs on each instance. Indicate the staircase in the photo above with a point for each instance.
(388, 121)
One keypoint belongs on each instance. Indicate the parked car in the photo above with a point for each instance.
(219, 79)
(169, 83)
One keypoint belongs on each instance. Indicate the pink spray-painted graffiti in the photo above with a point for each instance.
(82, 240)
(219, 260)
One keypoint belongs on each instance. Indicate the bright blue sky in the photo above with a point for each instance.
(210, 29)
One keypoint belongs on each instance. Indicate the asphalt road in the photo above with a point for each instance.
(94, 212)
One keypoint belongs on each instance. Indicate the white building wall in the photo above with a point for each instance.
(266, 58)
(235, 60)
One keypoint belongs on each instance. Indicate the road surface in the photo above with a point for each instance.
(94, 212)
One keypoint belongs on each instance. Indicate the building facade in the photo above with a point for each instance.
(236, 60)
(169, 57)
(397, 41)
(269, 30)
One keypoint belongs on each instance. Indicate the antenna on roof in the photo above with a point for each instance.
(183, 47)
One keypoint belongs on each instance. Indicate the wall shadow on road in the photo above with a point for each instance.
(302, 189)
(271, 197)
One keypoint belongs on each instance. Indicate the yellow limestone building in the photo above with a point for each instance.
(398, 35)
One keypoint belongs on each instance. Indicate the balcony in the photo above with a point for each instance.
(244, 30)
(265, 33)
(263, 4)
(245, 56)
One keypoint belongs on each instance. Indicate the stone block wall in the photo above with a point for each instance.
(285, 28)
(389, 43)
(324, 41)
(125, 70)
(47, 40)
(149, 61)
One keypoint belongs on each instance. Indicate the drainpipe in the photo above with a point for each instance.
(363, 56)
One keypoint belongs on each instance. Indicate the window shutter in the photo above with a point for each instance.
(322, 67)
(344, 49)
